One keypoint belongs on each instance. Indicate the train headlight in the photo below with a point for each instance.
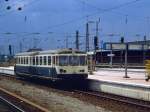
(82, 71)
(62, 71)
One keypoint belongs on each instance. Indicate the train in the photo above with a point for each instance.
(52, 64)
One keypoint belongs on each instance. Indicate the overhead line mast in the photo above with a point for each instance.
(87, 37)
(77, 40)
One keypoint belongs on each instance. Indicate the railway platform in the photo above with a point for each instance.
(112, 81)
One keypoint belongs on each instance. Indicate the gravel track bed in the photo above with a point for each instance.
(57, 100)
(54, 101)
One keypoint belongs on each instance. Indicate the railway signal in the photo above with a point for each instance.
(19, 8)
(96, 43)
(8, 7)
(122, 40)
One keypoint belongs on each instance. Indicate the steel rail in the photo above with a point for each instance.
(114, 99)
(13, 106)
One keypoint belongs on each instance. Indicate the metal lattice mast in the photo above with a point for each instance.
(77, 40)
(87, 37)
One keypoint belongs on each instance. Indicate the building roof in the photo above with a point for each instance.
(132, 42)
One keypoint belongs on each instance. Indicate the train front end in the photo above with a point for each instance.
(72, 66)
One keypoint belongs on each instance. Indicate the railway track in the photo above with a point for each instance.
(18, 103)
(27, 105)
(12, 106)
(114, 98)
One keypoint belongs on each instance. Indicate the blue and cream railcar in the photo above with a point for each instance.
(52, 64)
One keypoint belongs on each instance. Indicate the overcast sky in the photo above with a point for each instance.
(47, 23)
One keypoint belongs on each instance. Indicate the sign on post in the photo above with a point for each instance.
(122, 46)
(110, 55)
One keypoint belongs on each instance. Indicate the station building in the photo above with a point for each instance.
(137, 53)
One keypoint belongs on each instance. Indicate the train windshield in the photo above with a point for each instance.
(83, 60)
(72, 60)
(63, 60)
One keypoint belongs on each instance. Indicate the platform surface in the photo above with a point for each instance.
(8, 68)
(137, 76)
(115, 75)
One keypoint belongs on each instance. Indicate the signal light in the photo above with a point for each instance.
(8, 7)
(19, 8)
(96, 43)
(122, 40)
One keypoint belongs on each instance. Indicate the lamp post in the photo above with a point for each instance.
(126, 61)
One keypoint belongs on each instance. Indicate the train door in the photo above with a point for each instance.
(31, 65)
(53, 61)
(53, 73)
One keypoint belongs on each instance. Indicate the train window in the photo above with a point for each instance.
(49, 60)
(22, 60)
(57, 60)
(53, 60)
(26, 60)
(74, 60)
(40, 60)
(37, 61)
(45, 61)
(17, 60)
(30, 60)
(82, 60)
(63, 60)
(33, 60)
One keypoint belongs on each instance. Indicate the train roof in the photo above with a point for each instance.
(27, 53)
(59, 51)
